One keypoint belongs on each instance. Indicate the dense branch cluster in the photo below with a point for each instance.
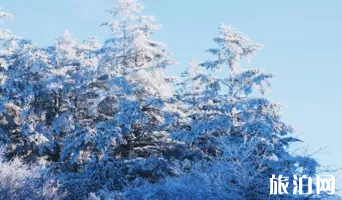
(85, 120)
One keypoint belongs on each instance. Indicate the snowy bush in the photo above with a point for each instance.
(105, 175)
(24, 181)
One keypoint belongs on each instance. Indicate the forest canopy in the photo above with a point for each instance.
(102, 120)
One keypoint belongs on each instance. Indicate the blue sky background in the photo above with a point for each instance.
(303, 48)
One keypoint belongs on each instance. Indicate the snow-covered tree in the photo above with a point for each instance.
(72, 68)
(132, 108)
(251, 116)
(229, 113)
(20, 94)
(133, 84)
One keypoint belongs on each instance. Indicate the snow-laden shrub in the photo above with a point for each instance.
(189, 186)
(229, 178)
(26, 181)
(151, 169)
(239, 173)
(104, 175)
(107, 177)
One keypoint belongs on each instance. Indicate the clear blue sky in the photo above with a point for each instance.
(303, 48)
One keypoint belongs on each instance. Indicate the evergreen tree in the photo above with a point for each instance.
(20, 116)
(235, 127)
(134, 105)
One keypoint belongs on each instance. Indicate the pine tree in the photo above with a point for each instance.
(135, 65)
(134, 106)
(240, 131)
(20, 117)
